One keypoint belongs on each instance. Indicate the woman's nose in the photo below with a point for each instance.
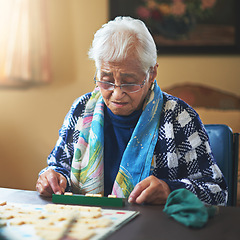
(117, 92)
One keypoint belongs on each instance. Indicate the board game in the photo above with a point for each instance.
(58, 221)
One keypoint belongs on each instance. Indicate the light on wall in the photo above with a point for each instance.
(24, 43)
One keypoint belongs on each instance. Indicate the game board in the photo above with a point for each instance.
(78, 222)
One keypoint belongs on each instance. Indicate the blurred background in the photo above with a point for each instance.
(32, 114)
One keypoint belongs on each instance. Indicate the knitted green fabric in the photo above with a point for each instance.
(186, 208)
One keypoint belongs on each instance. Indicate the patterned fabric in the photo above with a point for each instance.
(87, 175)
(183, 157)
(87, 165)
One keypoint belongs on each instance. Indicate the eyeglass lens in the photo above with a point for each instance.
(130, 88)
(124, 87)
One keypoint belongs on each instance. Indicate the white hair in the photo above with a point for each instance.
(118, 38)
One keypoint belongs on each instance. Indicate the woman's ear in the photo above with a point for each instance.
(153, 73)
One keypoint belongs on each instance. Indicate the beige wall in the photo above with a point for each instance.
(30, 118)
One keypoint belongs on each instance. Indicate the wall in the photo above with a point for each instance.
(30, 118)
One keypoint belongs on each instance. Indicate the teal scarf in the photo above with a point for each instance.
(87, 171)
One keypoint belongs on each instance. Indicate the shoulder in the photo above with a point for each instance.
(73, 118)
(82, 100)
(76, 111)
(180, 120)
(180, 117)
(176, 108)
(79, 104)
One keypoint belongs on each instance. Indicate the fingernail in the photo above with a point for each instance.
(130, 199)
(58, 193)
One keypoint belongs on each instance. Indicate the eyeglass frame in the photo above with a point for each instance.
(122, 85)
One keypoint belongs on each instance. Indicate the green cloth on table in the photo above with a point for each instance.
(186, 208)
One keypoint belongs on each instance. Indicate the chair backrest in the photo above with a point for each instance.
(225, 146)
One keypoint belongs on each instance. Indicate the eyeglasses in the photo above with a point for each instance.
(127, 88)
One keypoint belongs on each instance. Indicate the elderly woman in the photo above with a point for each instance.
(127, 137)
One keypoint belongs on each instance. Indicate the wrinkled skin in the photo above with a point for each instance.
(151, 190)
(51, 182)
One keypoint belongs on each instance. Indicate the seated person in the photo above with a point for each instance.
(127, 137)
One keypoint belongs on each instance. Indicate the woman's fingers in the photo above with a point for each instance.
(62, 183)
(150, 190)
(43, 187)
(51, 182)
(138, 190)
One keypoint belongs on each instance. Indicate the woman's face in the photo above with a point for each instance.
(124, 72)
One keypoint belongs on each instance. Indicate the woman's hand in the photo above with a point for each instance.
(51, 182)
(151, 190)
